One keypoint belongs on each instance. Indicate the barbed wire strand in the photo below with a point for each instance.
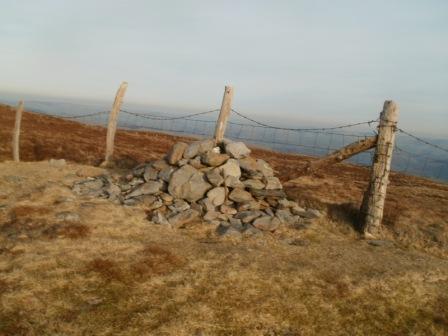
(422, 140)
(149, 116)
(304, 129)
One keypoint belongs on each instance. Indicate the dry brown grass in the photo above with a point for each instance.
(114, 273)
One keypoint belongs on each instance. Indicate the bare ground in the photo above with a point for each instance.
(114, 273)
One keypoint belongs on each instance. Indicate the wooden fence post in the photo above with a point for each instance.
(373, 202)
(112, 125)
(16, 134)
(226, 107)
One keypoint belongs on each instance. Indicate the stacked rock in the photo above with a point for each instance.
(220, 185)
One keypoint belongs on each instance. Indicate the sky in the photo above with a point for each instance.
(289, 60)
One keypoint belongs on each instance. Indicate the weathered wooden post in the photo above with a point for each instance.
(16, 134)
(372, 207)
(112, 125)
(226, 107)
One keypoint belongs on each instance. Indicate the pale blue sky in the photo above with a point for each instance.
(298, 60)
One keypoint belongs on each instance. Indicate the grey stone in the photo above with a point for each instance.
(197, 207)
(213, 159)
(90, 187)
(182, 218)
(235, 222)
(251, 231)
(285, 216)
(146, 200)
(131, 201)
(308, 214)
(240, 195)
(269, 212)
(176, 152)
(231, 168)
(148, 188)
(125, 187)
(273, 183)
(217, 195)
(136, 181)
(251, 205)
(285, 204)
(266, 223)
(211, 215)
(223, 217)
(198, 148)
(272, 202)
(228, 210)
(180, 177)
(207, 205)
(228, 231)
(253, 184)
(160, 164)
(196, 162)
(179, 205)
(68, 216)
(182, 162)
(214, 177)
(264, 168)
(150, 173)
(237, 150)
(155, 205)
(248, 216)
(159, 218)
(197, 186)
(233, 182)
(222, 228)
(188, 183)
(113, 191)
(165, 173)
(166, 198)
(138, 170)
(297, 210)
(248, 165)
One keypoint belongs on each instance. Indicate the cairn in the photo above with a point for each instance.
(220, 185)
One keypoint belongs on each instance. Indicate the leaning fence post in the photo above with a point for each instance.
(373, 203)
(112, 125)
(16, 134)
(226, 107)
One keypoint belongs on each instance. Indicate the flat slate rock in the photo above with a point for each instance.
(237, 150)
(213, 159)
(266, 223)
(182, 218)
(240, 195)
(176, 152)
(148, 188)
(231, 168)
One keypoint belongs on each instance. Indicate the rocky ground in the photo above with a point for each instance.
(220, 185)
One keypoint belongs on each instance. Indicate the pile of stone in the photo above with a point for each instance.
(221, 185)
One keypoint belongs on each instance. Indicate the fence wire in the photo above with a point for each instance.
(412, 154)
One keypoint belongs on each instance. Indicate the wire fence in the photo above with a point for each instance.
(413, 154)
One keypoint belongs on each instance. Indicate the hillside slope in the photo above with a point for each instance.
(416, 212)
